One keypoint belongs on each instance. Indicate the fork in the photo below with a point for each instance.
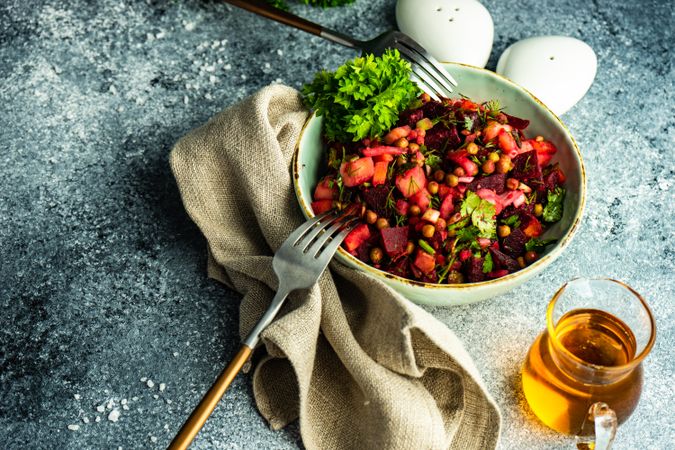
(427, 72)
(298, 264)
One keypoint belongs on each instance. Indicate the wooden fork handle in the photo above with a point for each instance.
(208, 403)
(264, 9)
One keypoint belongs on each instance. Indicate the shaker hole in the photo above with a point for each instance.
(450, 19)
(439, 9)
(551, 58)
(456, 9)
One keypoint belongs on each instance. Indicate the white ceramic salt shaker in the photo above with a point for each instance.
(558, 70)
(451, 30)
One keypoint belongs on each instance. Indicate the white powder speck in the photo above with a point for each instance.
(175, 354)
(100, 408)
(77, 396)
(125, 407)
(144, 379)
(227, 67)
(280, 52)
(279, 81)
(162, 386)
(268, 66)
(110, 404)
(160, 35)
(210, 68)
(98, 419)
(212, 78)
(208, 96)
(156, 396)
(243, 77)
(134, 398)
(85, 419)
(168, 402)
(73, 427)
(223, 42)
(150, 383)
(123, 401)
(189, 26)
(114, 415)
(166, 426)
(153, 439)
(215, 44)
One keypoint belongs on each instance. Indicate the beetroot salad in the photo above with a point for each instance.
(454, 193)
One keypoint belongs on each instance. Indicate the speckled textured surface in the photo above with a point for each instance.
(102, 281)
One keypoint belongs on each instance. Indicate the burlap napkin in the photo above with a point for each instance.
(358, 364)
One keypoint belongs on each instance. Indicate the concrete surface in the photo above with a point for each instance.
(104, 298)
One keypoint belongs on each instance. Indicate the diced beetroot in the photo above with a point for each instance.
(496, 182)
(555, 177)
(383, 150)
(431, 215)
(410, 117)
(514, 244)
(526, 166)
(421, 199)
(376, 198)
(446, 207)
(508, 144)
(424, 261)
(411, 182)
(356, 237)
(394, 240)
(441, 137)
(362, 252)
(443, 190)
(517, 122)
(474, 269)
(493, 128)
(433, 109)
(545, 151)
(357, 172)
(326, 189)
(402, 207)
(464, 254)
(504, 261)
(401, 268)
(497, 273)
(396, 134)
(321, 206)
(380, 174)
(530, 225)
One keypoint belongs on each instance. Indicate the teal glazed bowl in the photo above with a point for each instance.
(479, 85)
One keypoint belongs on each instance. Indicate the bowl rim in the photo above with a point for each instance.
(532, 269)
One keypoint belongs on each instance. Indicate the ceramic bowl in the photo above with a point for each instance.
(309, 164)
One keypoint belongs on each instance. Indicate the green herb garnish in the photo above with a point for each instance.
(487, 263)
(362, 98)
(482, 214)
(554, 206)
(426, 247)
(538, 245)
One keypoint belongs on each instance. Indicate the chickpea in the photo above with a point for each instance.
(488, 167)
(400, 160)
(521, 261)
(455, 277)
(439, 175)
(413, 147)
(531, 256)
(376, 255)
(539, 139)
(503, 230)
(371, 217)
(538, 209)
(493, 156)
(503, 165)
(410, 247)
(381, 223)
(414, 210)
(441, 224)
(472, 148)
(432, 187)
(459, 172)
(401, 143)
(426, 98)
(428, 230)
(512, 184)
(451, 180)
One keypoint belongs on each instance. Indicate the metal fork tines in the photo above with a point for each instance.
(302, 258)
(427, 72)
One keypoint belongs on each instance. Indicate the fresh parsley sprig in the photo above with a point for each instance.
(362, 98)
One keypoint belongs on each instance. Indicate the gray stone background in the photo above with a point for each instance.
(102, 280)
